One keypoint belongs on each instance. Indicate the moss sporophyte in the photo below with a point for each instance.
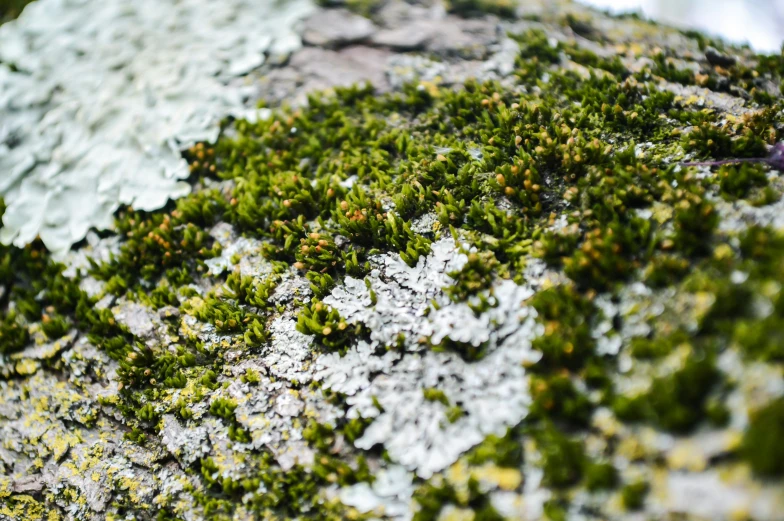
(528, 260)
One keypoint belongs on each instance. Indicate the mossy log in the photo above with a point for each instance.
(455, 269)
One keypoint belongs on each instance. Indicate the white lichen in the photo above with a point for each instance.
(415, 431)
(100, 96)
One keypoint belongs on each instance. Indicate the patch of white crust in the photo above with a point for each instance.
(99, 96)
(492, 392)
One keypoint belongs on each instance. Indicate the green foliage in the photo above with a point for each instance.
(535, 45)
(224, 408)
(431, 499)
(157, 242)
(13, 334)
(609, 253)
(694, 219)
(678, 400)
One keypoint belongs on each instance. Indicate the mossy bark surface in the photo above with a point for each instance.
(456, 271)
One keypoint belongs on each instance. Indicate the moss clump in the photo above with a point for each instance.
(677, 401)
(157, 242)
(659, 346)
(567, 341)
(600, 476)
(504, 451)
(431, 498)
(224, 408)
(609, 253)
(502, 8)
(326, 324)
(10, 9)
(250, 291)
(432, 394)
(694, 220)
(562, 459)
(14, 334)
(736, 182)
(633, 494)
(556, 397)
(762, 440)
(475, 276)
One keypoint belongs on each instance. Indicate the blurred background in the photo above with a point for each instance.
(760, 23)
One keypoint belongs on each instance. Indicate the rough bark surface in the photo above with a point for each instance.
(483, 288)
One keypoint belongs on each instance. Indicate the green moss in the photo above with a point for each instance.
(633, 494)
(762, 446)
(535, 45)
(454, 413)
(659, 346)
(677, 401)
(694, 219)
(326, 324)
(556, 509)
(10, 9)
(504, 451)
(665, 67)
(502, 166)
(502, 8)
(609, 253)
(355, 427)
(475, 276)
(157, 242)
(251, 291)
(562, 459)
(14, 334)
(251, 377)
(717, 411)
(665, 269)
(567, 340)
(587, 58)
(431, 498)
(737, 181)
(556, 397)
(224, 408)
(599, 476)
(432, 394)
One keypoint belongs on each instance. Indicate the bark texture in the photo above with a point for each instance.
(482, 288)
